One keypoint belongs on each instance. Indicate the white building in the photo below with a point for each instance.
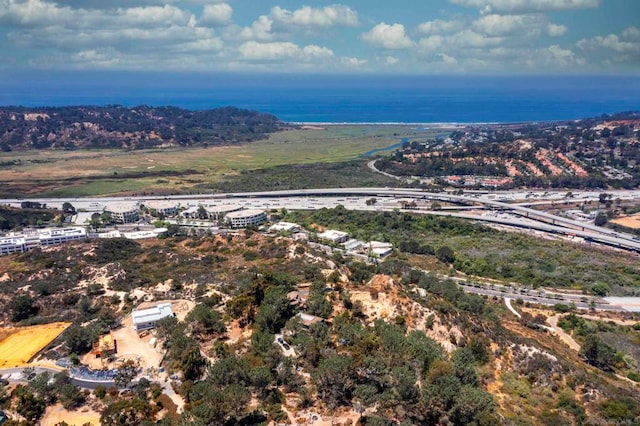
(164, 208)
(284, 227)
(21, 242)
(334, 236)
(53, 236)
(213, 212)
(12, 245)
(146, 319)
(123, 212)
(245, 218)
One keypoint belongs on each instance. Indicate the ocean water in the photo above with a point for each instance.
(338, 99)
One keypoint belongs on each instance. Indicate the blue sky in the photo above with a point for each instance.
(465, 37)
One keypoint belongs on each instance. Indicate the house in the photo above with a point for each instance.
(333, 236)
(308, 320)
(146, 319)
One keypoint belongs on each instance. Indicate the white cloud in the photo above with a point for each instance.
(335, 15)
(259, 30)
(449, 60)
(387, 60)
(614, 49)
(218, 14)
(431, 43)
(555, 30)
(527, 6)
(353, 62)
(386, 36)
(439, 26)
(507, 25)
(278, 51)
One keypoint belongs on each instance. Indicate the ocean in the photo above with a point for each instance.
(338, 99)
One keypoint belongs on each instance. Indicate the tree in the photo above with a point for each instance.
(334, 379)
(127, 371)
(68, 208)
(598, 353)
(445, 254)
(80, 339)
(22, 307)
(601, 219)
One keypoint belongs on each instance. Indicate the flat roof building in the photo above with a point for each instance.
(21, 242)
(212, 212)
(123, 212)
(245, 218)
(284, 227)
(146, 319)
(163, 207)
(334, 236)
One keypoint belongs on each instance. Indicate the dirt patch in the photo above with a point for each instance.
(56, 414)
(632, 221)
(21, 344)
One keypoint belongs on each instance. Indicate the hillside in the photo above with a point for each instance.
(139, 127)
(390, 345)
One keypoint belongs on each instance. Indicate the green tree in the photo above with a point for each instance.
(598, 353)
(445, 254)
(22, 307)
(335, 380)
(601, 219)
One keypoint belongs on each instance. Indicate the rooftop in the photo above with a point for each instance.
(153, 314)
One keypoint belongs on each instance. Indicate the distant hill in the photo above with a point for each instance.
(139, 127)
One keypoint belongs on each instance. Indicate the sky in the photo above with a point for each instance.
(423, 37)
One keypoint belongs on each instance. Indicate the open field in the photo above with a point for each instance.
(632, 221)
(56, 414)
(19, 345)
(102, 172)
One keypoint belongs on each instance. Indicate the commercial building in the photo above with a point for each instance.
(333, 236)
(284, 227)
(123, 212)
(245, 218)
(211, 212)
(21, 242)
(163, 208)
(146, 319)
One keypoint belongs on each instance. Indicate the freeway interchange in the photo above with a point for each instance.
(519, 213)
(512, 207)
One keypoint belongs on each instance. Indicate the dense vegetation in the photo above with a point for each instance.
(439, 356)
(132, 128)
(482, 251)
(347, 174)
(12, 218)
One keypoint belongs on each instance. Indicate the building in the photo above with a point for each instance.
(21, 242)
(379, 249)
(12, 245)
(123, 212)
(163, 208)
(146, 319)
(211, 212)
(284, 227)
(54, 236)
(307, 320)
(332, 236)
(245, 218)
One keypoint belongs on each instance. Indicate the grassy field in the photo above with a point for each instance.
(77, 173)
(19, 345)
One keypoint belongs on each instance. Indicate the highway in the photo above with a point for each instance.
(528, 218)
